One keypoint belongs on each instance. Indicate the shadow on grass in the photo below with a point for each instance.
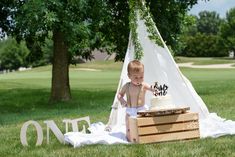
(22, 104)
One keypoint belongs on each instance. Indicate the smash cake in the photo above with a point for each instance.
(161, 100)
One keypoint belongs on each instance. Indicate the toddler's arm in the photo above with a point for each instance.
(150, 88)
(121, 96)
(122, 100)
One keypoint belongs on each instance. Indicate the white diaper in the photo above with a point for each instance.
(132, 111)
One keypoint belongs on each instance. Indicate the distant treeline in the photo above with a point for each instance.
(207, 35)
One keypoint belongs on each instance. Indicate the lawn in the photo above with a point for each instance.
(24, 96)
(205, 60)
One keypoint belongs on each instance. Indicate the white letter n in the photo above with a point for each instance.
(51, 125)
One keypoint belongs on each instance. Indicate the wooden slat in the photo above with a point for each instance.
(143, 121)
(190, 125)
(170, 136)
(159, 112)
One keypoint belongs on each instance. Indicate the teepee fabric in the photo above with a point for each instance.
(160, 66)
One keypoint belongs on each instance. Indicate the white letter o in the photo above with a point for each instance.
(23, 132)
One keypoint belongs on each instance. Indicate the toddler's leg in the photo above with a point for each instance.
(127, 127)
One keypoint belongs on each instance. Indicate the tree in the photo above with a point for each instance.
(80, 26)
(208, 22)
(5, 13)
(188, 29)
(117, 29)
(12, 54)
(167, 14)
(47, 50)
(203, 45)
(227, 30)
(201, 38)
(75, 27)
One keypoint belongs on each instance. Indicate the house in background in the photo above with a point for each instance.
(96, 56)
(102, 56)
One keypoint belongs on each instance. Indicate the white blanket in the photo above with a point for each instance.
(215, 126)
(97, 136)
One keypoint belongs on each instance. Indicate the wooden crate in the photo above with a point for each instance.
(164, 128)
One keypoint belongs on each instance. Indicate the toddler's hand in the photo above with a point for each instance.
(123, 103)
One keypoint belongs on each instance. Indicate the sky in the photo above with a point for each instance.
(220, 6)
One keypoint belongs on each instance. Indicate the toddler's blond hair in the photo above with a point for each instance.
(135, 66)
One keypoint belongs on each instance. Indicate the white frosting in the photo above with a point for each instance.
(161, 102)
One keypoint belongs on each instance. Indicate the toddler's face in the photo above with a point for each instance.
(136, 78)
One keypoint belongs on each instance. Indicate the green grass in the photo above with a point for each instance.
(204, 60)
(24, 96)
(107, 65)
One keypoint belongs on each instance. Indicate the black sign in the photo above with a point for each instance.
(160, 90)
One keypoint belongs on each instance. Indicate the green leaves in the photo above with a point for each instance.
(208, 35)
(204, 45)
(208, 22)
(134, 8)
(50, 18)
(227, 30)
(137, 8)
(151, 28)
(81, 22)
(12, 54)
(102, 23)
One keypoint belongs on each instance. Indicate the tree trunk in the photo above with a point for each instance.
(233, 53)
(60, 88)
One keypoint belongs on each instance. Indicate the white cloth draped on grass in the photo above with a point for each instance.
(161, 67)
(97, 135)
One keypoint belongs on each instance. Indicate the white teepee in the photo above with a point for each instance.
(161, 67)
